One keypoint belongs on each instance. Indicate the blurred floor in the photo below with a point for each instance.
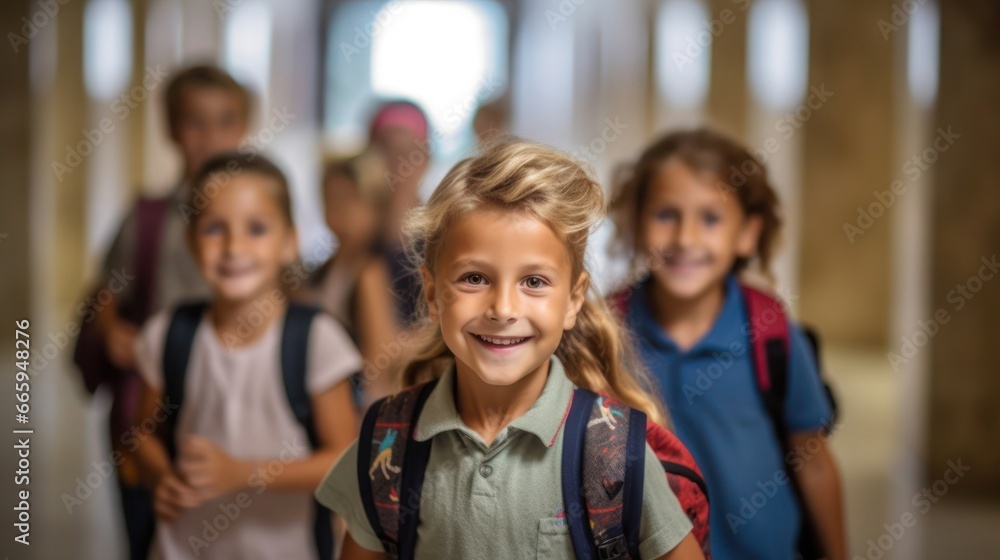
(79, 451)
(863, 444)
(864, 439)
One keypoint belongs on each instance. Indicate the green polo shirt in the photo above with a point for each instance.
(502, 500)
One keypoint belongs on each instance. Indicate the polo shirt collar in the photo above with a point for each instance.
(544, 419)
(726, 329)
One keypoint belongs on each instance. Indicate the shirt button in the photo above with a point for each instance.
(485, 470)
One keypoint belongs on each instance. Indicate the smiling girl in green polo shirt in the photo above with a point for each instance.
(510, 330)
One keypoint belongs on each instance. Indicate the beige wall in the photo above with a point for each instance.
(848, 154)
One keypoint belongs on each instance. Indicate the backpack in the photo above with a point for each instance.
(294, 347)
(769, 338)
(603, 454)
(90, 352)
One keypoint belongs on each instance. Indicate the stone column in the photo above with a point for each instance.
(727, 89)
(844, 279)
(965, 283)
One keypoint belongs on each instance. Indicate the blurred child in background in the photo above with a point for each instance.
(491, 121)
(207, 113)
(353, 285)
(399, 131)
(383, 307)
(698, 209)
(241, 440)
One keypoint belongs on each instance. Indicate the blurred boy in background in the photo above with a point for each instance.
(207, 113)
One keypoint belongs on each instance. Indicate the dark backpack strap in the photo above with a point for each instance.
(176, 353)
(390, 491)
(574, 433)
(294, 368)
(635, 479)
(604, 449)
(674, 468)
(151, 214)
(771, 351)
(812, 337)
(294, 364)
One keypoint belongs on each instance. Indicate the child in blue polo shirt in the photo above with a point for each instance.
(695, 210)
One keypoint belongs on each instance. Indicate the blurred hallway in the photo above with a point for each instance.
(876, 120)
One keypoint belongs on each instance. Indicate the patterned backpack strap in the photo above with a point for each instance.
(391, 467)
(604, 452)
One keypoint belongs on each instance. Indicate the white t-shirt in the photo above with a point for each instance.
(236, 398)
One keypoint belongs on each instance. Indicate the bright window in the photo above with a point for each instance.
(246, 51)
(683, 52)
(922, 53)
(448, 57)
(778, 52)
(107, 47)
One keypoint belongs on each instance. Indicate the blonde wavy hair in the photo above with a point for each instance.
(530, 179)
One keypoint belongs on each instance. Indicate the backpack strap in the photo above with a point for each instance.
(812, 338)
(176, 353)
(294, 364)
(151, 214)
(770, 339)
(294, 367)
(390, 492)
(604, 449)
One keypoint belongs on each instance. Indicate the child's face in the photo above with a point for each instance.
(506, 277)
(351, 218)
(242, 240)
(692, 227)
(211, 122)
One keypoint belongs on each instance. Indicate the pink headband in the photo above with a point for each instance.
(403, 115)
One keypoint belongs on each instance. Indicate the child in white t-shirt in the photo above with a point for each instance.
(240, 483)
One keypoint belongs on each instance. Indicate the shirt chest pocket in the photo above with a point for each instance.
(553, 539)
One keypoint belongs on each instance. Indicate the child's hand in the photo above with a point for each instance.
(120, 344)
(208, 469)
(172, 496)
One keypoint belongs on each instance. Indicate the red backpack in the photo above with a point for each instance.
(603, 461)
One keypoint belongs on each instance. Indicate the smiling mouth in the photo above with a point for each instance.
(500, 341)
(686, 263)
(230, 272)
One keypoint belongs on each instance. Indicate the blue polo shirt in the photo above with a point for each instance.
(713, 399)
